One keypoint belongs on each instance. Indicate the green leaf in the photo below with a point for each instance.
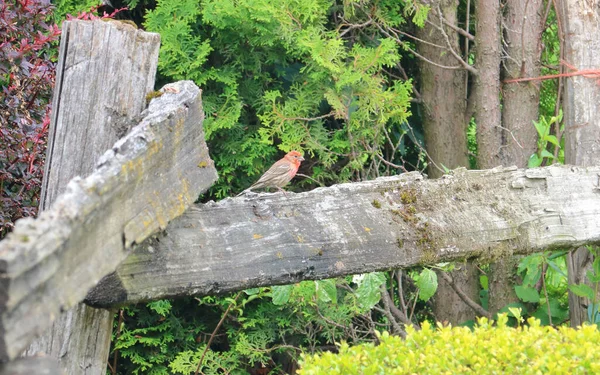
(527, 294)
(593, 313)
(161, 307)
(547, 154)
(516, 312)
(484, 282)
(552, 139)
(530, 267)
(252, 291)
(519, 305)
(281, 294)
(596, 265)
(582, 290)
(367, 293)
(534, 161)
(427, 283)
(326, 291)
(593, 277)
(446, 169)
(556, 267)
(540, 127)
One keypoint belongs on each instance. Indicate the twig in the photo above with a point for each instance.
(390, 163)
(462, 32)
(310, 178)
(354, 26)
(404, 45)
(511, 134)
(522, 71)
(415, 38)
(467, 21)
(212, 336)
(412, 310)
(546, 295)
(332, 113)
(460, 60)
(113, 368)
(400, 290)
(468, 301)
(387, 300)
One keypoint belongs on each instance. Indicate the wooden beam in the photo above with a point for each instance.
(403, 221)
(97, 99)
(29, 366)
(148, 178)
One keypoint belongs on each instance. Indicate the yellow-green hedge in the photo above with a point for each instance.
(488, 349)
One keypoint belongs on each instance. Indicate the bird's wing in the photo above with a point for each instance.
(276, 169)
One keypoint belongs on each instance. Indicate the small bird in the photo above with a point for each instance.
(280, 173)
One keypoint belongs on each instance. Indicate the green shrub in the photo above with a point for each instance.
(487, 349)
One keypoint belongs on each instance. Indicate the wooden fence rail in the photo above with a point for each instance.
(388, 223)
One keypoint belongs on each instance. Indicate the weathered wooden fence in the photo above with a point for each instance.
(129, 231)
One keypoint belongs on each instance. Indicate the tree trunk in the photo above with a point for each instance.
(487, 82)
(520, 107)
(580, 21)
(105, 71)
(443, 92)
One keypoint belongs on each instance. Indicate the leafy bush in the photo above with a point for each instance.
(487, 349)
(26, 81)
(289, 75)
(265, 329)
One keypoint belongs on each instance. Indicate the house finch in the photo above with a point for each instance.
(280, 173)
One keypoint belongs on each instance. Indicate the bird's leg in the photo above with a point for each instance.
(281, 190)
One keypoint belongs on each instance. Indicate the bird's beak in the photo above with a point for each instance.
(300, 158)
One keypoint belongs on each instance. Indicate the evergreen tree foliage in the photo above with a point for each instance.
(286, 75)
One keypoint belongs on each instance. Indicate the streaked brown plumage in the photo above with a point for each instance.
(280, 173)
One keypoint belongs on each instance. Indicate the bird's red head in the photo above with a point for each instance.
(294, 157)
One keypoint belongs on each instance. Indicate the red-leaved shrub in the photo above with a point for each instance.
(26, 80)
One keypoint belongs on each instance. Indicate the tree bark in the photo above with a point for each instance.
(487, 99)
(520, 107)
(520, 101)
(443, 92)
(120, 63)
(580, 21)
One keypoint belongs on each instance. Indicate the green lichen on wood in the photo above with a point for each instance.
(376, 203)
(408, 196)
(400, 242)
(153, 94)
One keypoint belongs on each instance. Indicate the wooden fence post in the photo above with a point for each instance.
(104, 73)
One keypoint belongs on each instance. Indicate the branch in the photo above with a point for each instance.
(468, 301)
(460, 60)
(404, 45)
(462, 32)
